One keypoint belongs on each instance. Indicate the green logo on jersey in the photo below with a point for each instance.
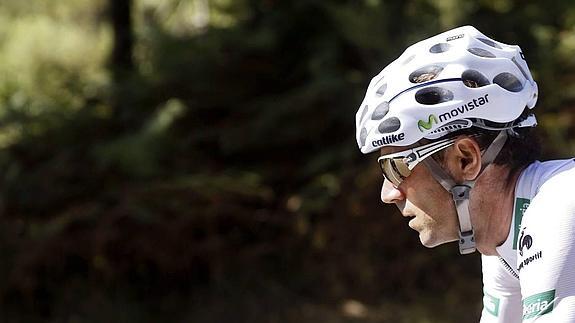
(491, 304)
(521, 204)
(538, 304)
(427, 125)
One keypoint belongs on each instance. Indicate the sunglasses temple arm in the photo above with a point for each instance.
(427, 151)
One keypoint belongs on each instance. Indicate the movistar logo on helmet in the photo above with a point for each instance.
(427, 125)
(475, 103)
(432, 119)
(388, 140)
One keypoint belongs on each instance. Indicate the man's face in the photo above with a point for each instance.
(423, 199)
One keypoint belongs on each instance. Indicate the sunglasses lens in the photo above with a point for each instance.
(394, 170)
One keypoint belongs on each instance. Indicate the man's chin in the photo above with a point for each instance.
(432, 242)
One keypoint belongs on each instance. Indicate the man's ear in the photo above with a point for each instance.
(465, 160)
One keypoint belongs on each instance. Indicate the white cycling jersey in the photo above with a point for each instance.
(533, 279)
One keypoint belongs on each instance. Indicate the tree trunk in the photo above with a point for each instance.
(121, 62)
(121, 19)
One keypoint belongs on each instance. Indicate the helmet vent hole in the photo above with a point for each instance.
(520, 68)
(365, 107)
(380, 111)
(508, 81)
(481, 52)
(433, 95)
(425, 74)
(389, 125)
(474, 79)
(381, 90)
(439, 48)
(408, 60)
(363, 136)
(489, 42)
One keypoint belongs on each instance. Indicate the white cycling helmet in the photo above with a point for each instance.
(452, 81)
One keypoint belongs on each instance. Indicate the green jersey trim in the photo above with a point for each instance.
(491, 304)
(538, 304)
(521, 205)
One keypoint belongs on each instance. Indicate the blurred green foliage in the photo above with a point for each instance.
(218, 179)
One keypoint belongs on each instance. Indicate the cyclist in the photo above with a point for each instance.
(452, 119)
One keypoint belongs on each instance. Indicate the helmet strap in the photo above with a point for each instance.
(461, 192)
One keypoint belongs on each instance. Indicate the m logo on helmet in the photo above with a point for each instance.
(422, 125)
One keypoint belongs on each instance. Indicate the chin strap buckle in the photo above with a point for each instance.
(466, 242)
(460, 194)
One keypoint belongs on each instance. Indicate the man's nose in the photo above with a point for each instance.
(390, 194)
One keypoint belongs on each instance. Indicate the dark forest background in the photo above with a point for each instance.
(195, 161)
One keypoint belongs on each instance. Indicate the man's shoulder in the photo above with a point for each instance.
(561, 173)
(544, 174)
(555, 188)
(551, 211)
